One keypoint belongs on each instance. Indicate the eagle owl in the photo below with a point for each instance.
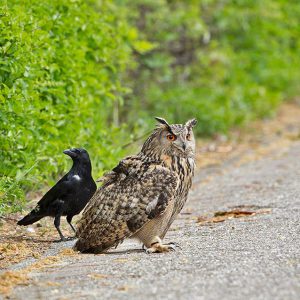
(143, 194)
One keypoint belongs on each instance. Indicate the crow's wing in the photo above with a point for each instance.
(119, 209)
(62, 188)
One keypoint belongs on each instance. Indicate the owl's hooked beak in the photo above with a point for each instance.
(181, 145)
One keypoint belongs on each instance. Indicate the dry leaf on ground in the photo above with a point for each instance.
(221, 216)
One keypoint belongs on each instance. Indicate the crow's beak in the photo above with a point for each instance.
(70, 153)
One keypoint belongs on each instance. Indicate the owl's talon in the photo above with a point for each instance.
(160, 248)
(149, 251)
(172, 248)
(174, 244)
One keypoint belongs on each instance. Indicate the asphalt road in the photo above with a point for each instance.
(255, 257)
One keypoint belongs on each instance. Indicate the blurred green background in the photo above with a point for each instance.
(92, 74)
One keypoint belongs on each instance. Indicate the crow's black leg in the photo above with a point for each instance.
(57, 224)
(69, 220)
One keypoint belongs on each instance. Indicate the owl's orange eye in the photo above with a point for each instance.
(188, 137)
(171, 137)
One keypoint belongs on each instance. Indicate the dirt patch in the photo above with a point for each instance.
(18, 242)
(13, 252)
(98, 276)
(10, 279)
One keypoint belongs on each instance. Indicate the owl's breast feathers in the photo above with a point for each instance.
(184, 168)
(136, 191)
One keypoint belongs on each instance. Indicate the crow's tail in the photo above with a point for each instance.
(31, 218)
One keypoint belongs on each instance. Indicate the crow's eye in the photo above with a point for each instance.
(188, 136)
(171, 137)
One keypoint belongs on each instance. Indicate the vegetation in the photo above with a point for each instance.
(94, 73)
(226, 62)
(60, 65)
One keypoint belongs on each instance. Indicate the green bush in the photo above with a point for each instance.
(11, 195)
(94, 73)
(59, 66)
(224, 62)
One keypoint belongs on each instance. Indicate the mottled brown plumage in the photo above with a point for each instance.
(143, 194)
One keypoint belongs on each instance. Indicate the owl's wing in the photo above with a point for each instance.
(118, 210)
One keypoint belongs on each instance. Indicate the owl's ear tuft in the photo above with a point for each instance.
(163, 122)
(190, 123)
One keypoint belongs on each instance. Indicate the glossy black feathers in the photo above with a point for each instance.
(69, 195)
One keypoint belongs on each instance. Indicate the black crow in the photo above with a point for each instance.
(69, 195)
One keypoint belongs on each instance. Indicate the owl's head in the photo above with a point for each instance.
(171, 139)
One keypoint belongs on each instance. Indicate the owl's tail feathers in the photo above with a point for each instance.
(84, 247)
(31, 218)
(80, 245)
